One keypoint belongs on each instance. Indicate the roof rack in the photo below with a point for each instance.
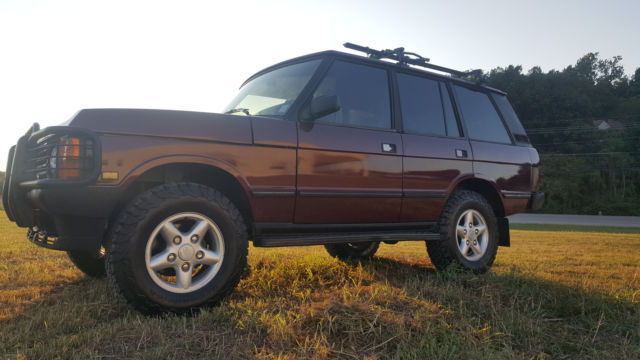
(405, 58)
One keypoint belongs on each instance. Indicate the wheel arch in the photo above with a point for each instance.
(196, 170)
(486, 189)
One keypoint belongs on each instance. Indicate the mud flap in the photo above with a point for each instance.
(503, 232)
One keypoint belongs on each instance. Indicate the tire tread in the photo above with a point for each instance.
(121, 281)
(439, 251)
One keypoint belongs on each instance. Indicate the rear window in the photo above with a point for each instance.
(481, 117)
(511, 119)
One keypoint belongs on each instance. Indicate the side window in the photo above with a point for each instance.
(453, 129)
(363, 94)
(483, 122)
(421, 105)
(510, 117)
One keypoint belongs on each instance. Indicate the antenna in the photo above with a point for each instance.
(405, 58)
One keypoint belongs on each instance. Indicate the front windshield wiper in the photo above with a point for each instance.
(244, 110)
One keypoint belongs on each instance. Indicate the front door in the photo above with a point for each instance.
(350, 161)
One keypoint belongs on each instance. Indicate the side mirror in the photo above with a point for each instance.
(320, 106)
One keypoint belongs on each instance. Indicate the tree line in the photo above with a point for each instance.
(586, 169)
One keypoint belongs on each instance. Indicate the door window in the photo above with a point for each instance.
(426, 107)
(363, 95)
(453, 130)
(421, 105)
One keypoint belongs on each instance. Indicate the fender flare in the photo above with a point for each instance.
(142, 168)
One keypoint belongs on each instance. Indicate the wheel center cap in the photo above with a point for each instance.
(186, 252)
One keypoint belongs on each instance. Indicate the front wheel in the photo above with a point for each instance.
(468, 233)
(177, 247)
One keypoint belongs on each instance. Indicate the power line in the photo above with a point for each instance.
(590, 154)
(588, 141)
(551, 130)
(566, 172)
(583, 124)
(586, 127)
(577, 121)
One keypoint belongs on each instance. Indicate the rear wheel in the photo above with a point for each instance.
(177, 247)
(363, 250)
(92, 264)
(468, 233)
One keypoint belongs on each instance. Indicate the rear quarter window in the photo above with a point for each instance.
(511, 118)
(481, 117)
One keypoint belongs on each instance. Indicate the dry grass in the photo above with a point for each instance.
(551, 295)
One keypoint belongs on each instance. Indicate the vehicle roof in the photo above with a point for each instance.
(390, 64)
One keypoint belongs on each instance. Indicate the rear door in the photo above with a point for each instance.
(498, 156)
(350, 161)
(436, 154)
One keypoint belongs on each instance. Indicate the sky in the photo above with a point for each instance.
(57, 57)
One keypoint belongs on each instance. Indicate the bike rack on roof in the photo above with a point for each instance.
(405, 58)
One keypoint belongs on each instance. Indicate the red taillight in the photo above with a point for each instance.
(69, 163)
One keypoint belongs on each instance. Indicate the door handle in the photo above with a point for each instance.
(461, 153)
(389, 148)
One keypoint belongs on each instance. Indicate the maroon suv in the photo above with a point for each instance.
(328, 148)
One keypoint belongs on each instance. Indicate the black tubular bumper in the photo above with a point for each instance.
(62, 214)
(72, 220)
(536, 201)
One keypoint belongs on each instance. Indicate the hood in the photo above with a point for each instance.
(166, 123)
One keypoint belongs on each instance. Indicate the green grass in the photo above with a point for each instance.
(576, 228)
(551, 295)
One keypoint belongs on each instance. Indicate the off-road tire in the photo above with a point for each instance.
(445, 251)
(355, 251)
(126, 267)
(89, 263)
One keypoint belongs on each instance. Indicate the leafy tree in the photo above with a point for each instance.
(585, 170)
(634, 84)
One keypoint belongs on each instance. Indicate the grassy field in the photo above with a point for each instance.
(576, 228)
(551, 295)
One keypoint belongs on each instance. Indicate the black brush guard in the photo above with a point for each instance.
(30, 167)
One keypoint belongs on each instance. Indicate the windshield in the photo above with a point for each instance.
(273, 93)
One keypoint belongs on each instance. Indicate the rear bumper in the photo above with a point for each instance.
(535, 201)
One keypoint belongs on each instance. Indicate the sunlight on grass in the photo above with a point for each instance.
(552, 294)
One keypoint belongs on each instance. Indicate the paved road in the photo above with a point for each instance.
(595, 220)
